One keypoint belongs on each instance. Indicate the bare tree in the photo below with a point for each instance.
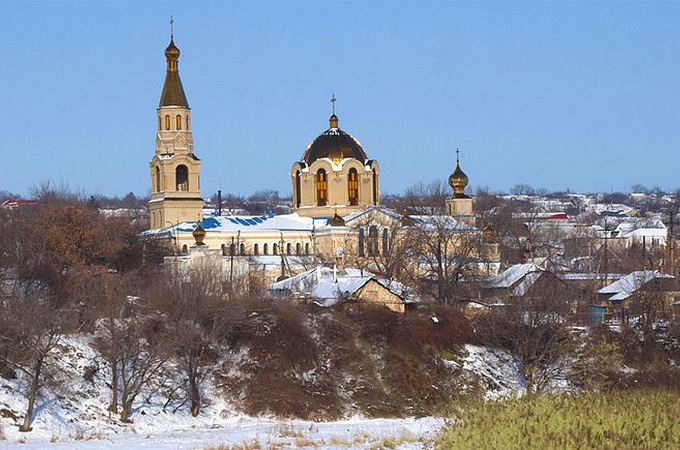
(192, 303)
(534, 330)
(29, 337)
(446, 251)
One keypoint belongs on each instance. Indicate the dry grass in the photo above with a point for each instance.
(249, 445)
(286, 430)
(612, 420)
(306, 442)
(80, 435)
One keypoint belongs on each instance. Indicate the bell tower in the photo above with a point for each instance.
(175, 168)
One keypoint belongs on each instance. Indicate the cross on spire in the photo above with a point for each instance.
(172, 28)
(333, 100)
(457, 156)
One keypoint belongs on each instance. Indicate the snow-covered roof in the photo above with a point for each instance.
(626, 286)
(324, 284)
(283, 222)
(328, 285)
(510, 276)
(639, 233)
(586, 276)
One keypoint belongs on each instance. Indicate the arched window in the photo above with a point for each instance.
(243, 249)
(182, 178)
(298, 194)
(375, 187)
(297, 248)
(256, 249)
(361, 243)
(373, 241)
(160, 124)
(265, 249)
(307, 248)
(275, 249)
(157, 171)
(353, 187)
(385, 242)
(188, 124)
(167, 122)
(178, 122)
(224, 249)
(288, 248)
(185, 249)
(321, 188)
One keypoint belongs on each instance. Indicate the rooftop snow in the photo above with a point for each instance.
(511, 275)
(629, 284)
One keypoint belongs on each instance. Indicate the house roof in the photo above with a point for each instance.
(628, 285)
(329, 286)
(510, 276)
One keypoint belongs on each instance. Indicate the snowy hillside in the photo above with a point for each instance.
(74, 408)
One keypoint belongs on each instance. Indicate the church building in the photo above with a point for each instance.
(336, 200)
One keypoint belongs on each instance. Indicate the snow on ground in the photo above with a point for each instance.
(72, 411)
(356, 434)
(499, 374)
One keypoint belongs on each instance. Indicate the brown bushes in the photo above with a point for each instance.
(316, 364)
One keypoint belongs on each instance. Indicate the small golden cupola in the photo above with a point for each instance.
(458, 180)
(460, 205)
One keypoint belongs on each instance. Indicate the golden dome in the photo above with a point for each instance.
(199, 235)
(172, 52)
(336, 220)
(458, 180)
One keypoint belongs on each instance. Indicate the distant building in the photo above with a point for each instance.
(326, 286)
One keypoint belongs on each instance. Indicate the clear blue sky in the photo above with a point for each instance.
(558, 95)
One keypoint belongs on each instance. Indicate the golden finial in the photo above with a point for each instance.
(334, 118)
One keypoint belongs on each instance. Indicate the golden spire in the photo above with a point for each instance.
(173, 91)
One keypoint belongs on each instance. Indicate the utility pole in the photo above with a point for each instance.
(670, 240)
(605, 255)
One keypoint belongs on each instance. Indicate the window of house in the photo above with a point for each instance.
(375, 187)
(182, 178)
(157, 171)
(321, 188)
(361, 243)
(167, 122)
(373, 241)
(178, 122)
(353, 187)
(385, 242)
(298, 194)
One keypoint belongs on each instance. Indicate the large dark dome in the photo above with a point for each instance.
(334, 144)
